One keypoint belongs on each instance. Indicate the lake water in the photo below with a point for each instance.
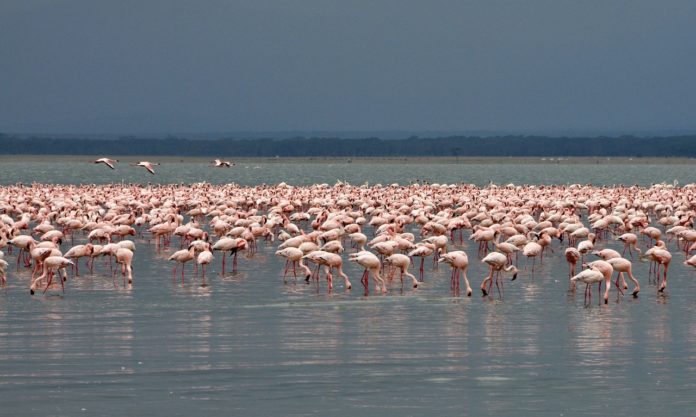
(78, 170)
(250, 344)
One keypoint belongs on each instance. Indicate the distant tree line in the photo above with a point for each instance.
(676, 146)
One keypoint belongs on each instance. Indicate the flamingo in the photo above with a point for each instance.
(402, 262)
(3, 271)
(77, 252)
(51, 264)
(572, 256)
(38, 255)
(483, 237)
(532, 250)
(331, 261)
(218, 163)
(124, 256)
(358, 240)
(506, 248)
(496, 262)
(622, 265)
(372, 264)
(231, 245)
(147, 165)
(181, 257)
(587, 245)
(607, 254)
(661, 257)
(459, 261)
(606, 270)
(294, 255)
(652, 232)
(106, 161)
(630, 240)
(422, 250)
(204, 258)
(691, 261)
(589, 277)
(23, 242)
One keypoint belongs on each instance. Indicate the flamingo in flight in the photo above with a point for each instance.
(147, 165)
(106, 161)
(218, 163)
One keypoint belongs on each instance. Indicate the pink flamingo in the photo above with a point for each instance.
(572, 256)
(691, 261)
(606, 270)
(124, 256)
(106, 161)
(203, 259)
(147, 165)
(589, 277)
(294, 256)
(459, 261)
(402, 262)
(372, 264)
(661, 257)
(181, 257)
(496, 262)
(622, 266)
(3, 273)
(532, 250)
(630, 240)
(330, 261)
(422, 250)
(51, 264)
(231, 245)
(77, 252)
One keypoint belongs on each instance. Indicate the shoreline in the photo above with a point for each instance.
(541, 160)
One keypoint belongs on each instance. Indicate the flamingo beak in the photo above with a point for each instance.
(514, 277)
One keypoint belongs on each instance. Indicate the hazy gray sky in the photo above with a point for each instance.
(200, 66)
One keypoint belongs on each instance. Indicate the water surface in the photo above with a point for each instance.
(250, 344)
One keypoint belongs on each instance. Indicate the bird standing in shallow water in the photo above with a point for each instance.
(402, 262)
(181, 257)
(589, 277)
(372, 264)
(496, 262)
(203, 259)
(459, 261)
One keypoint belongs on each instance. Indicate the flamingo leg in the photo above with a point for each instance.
(50, 280)
(618, 275)
(497, 284)
(421, 269)
(665, 267)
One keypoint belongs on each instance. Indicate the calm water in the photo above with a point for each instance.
(253, 173)
(249, 344)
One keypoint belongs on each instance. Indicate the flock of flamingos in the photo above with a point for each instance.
(384, 229)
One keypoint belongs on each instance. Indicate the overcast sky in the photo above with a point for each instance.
(207, 66)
